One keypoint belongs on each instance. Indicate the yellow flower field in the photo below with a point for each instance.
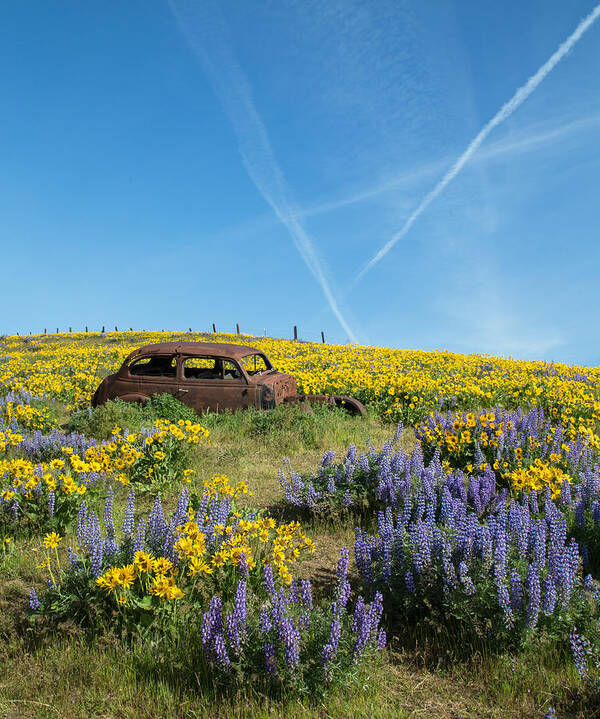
(400, 384)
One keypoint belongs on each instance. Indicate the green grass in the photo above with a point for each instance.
(424, 674)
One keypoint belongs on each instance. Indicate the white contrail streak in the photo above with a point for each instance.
(206, 35)
(506, 111)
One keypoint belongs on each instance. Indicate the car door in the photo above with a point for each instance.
(214, 383)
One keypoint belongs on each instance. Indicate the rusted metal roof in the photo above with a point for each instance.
(216, 349)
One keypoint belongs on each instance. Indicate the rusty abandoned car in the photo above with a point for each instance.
(209, 376)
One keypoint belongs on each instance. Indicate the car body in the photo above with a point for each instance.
(208, 376)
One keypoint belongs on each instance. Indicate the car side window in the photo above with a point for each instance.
(154, 366)
(231, 370)
(210, 368)
(201, 368)
(255, 364)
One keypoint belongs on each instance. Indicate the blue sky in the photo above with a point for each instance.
(174, 164)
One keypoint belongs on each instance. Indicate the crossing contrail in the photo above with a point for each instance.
(505, 111)
(206, 33)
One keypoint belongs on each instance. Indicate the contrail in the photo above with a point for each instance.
(203, 30)
(506, 111)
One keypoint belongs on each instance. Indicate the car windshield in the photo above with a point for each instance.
(256, 364)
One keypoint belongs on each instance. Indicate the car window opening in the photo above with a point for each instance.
(210, 368)
(155, 366)
(256, 364)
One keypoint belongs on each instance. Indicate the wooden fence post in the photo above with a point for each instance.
(86, 329)
(322, 337)
(237, 328)
(214, 329)
(295, 332)
(102, 329)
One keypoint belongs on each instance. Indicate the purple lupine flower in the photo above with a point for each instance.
(352, 454)
(270, 659)
(220, 652)
(212, 622)
(290, 638)
(549, 602)
(420, 508)
(180, 513)
(550, 714)
(516, 592)
(327, 654)
(420, 545)
(328, 458)
(500, 552)
(168, 548)
(157, 526)
(74, 561)
(589, 584)
(268, 579)
(504, 602)
(306, 593)
(202, 508)
(533, 596)
(449, 571)
(236, 620)
(304, 620)
(533, 503)
(446, 506)
(96, 554)
(466, 531)
(331, 488)
(398, 432)
(538, 539)
(279, 606)
(362, 555)
(51, 501)
(367, 624)
(580, 649)
(466, 581)
(81, 524)
(334, 634)
(139, 541)
(34, 602)
(343, 589)
(359, 610)
(565, 493)
(596, 513)
(109, 547)
(409, 582)
(381, 639)
(580, 513)
(108, 513)
(342, 565)
(243, 567)
(364, 463)
(128, 517)
(264, 622)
